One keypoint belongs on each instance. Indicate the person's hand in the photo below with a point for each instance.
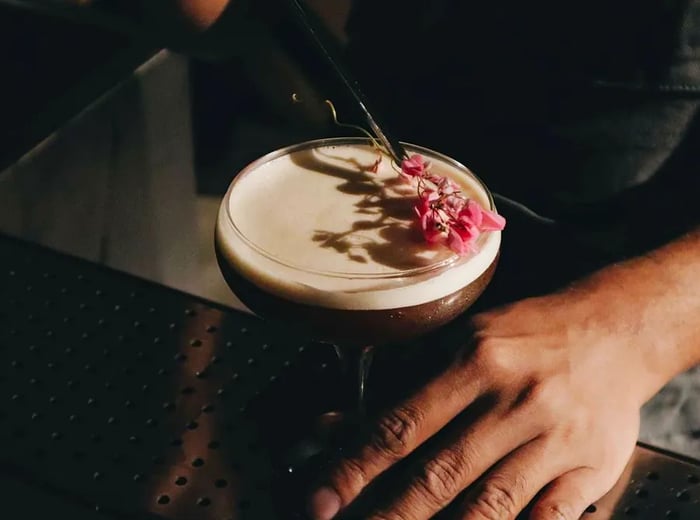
(543, 404)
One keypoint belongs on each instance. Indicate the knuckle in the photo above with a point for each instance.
(495, 501)
(492, 356)
(553, 511)
(396, 432)
(442, 478)
(350, 477)
(478, 323)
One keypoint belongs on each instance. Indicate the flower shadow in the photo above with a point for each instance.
(384, 231)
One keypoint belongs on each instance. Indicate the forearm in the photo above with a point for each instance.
(185, 15)
(654, 301)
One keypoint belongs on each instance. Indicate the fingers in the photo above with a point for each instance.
(454, 468)
(511, 485)
(395, 435)
(569, 496)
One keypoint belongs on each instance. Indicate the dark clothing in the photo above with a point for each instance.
(586, 111)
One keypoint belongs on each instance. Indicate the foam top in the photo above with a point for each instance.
(315, 226)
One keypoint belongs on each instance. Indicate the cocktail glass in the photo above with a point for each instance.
(312, 236)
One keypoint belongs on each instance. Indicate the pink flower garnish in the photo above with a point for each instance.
(456, 241)
(432, 228)
(492, 221)
(414, 166)
(444, 214)
(472, 213)
(423, 207)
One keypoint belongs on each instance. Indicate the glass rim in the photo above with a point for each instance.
(339, 141)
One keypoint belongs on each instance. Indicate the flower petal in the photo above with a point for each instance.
(432, 232)
(492, 221)
(473, 213)
(457, 244)
(414, 166)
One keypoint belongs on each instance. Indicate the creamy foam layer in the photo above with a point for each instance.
(315, 226)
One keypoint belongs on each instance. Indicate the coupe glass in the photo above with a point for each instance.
(394, 287)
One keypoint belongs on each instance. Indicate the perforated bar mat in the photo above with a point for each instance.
(123, 399)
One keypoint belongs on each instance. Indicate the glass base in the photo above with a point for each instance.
(306, 460)
(324, 441)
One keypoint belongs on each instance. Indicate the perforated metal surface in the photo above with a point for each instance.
(123, 399)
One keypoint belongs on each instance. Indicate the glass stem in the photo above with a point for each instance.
(356, 363)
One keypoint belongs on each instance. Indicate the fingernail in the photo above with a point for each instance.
(324, 504)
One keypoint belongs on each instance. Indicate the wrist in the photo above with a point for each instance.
(639, 309)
